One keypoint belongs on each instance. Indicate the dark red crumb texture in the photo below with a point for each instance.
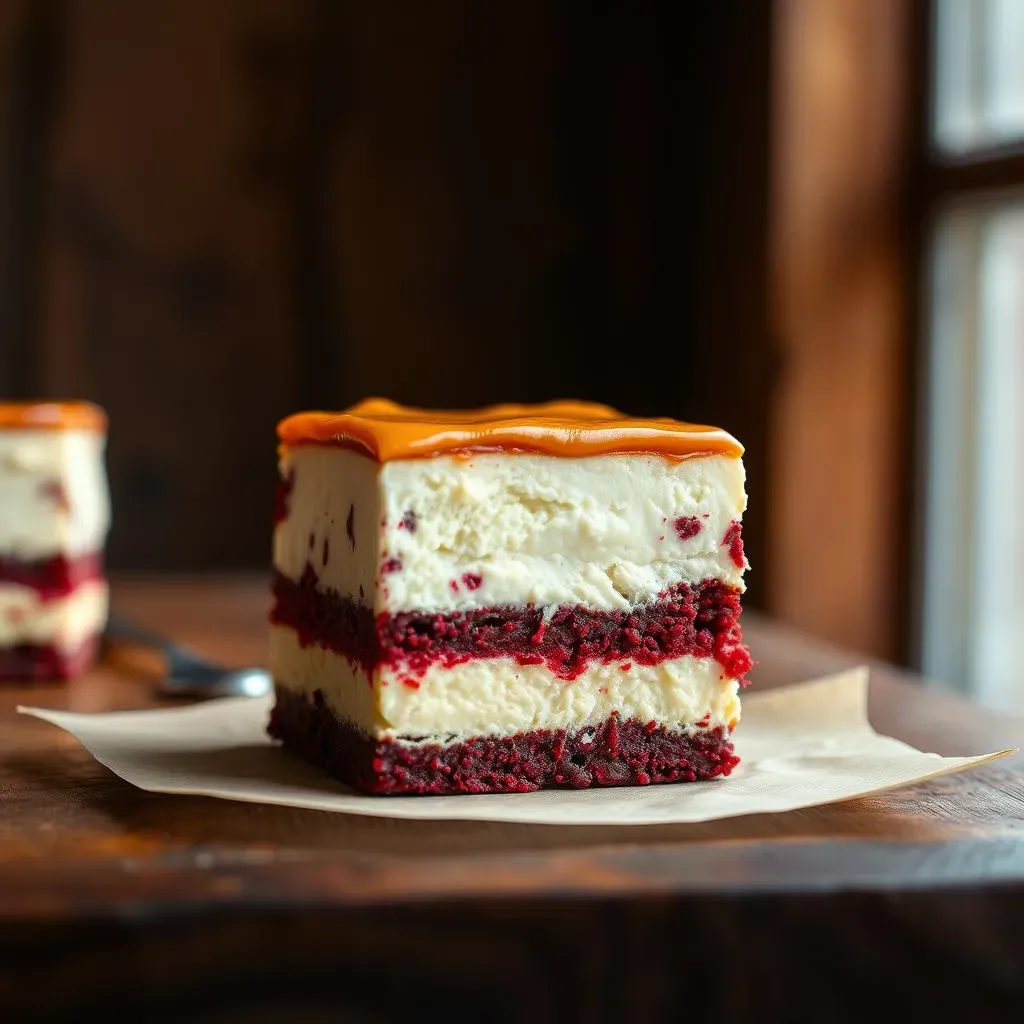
(325, 618)
(52, 577)
(702, 621)
(43, 662)
(687, 527)
(733, 540)
(614, 753)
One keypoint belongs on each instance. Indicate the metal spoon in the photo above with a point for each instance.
(190, 674)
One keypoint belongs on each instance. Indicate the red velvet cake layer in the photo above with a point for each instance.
(42, 662)
(326, 619)
(614, 753)
(52, 577)
(700, 621)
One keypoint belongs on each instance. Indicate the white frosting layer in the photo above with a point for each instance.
(64, 622)
(597, 531)
(53, 493)
(499, 697)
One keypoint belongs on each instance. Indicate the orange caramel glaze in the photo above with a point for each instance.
(52, 416)
(386, 431)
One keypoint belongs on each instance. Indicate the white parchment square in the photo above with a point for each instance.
(801, 746)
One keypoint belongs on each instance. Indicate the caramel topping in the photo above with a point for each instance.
(387, 431)
(52, 416)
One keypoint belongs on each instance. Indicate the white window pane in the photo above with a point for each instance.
(973, 607)
(957, 91)
(949, 452)
(1006, 44)
(998, 532)
(979, 73)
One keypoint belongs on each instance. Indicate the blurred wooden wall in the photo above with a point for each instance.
(848, 133)
(215, 212)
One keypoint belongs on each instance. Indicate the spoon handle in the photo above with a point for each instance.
(124, 630)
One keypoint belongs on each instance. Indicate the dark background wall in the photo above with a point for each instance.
(216, 212)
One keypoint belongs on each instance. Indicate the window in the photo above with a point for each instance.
(972, 608)
(979, 74)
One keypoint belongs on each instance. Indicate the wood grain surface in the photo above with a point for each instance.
(107, 892)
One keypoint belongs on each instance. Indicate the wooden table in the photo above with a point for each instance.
(180, 908)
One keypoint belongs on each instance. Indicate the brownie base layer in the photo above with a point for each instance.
(614, 753)
(37, 663)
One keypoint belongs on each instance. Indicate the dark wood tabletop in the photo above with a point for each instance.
(187, 908)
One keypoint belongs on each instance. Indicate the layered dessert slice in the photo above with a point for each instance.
(54, 517)
(507, 599)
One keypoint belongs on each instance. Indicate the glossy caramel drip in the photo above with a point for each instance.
(387, 431)
(52, 416)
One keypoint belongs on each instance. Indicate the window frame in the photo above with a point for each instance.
(942, 184)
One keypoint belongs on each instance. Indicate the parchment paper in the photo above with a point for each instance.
(801, 745)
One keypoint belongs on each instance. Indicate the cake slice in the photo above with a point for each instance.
(54, 518)
(507, 599)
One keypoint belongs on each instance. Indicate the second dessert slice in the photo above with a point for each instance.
(54, 519)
